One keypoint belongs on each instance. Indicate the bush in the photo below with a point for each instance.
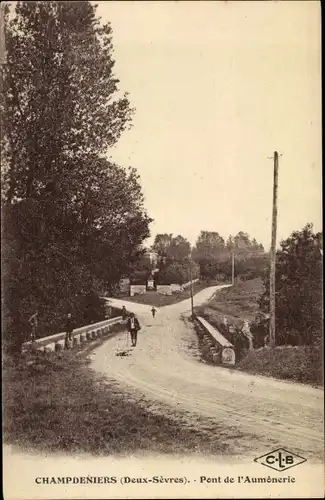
(85, 310)
(90, 309)
(220, 278)
(248, 275)
(299, 285)
(260, 329)
(300, 364)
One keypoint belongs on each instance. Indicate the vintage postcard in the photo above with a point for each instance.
(162, 250)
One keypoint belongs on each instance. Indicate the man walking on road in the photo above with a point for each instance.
(133, 326)
(153, 311)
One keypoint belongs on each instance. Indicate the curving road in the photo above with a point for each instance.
(258, 414)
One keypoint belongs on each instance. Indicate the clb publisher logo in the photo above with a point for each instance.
(280, 459)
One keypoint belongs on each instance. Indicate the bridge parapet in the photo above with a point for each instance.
(221, 350)
(79, 335)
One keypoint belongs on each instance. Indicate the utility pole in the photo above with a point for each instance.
(2, 35)
(233, 267)
(273, 250)
(191, 286)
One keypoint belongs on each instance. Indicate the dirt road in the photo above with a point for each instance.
(257, 414)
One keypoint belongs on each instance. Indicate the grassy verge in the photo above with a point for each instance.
(153, 298)
(55, 403)
(296, 363)
(303, 364)
(236, 303)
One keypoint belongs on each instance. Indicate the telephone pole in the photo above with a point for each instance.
(2, 35)
(191, 286)
(273, 249)
(233, 267)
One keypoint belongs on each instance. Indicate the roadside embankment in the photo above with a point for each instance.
(238, 304)
(296, 363)
(55, 403)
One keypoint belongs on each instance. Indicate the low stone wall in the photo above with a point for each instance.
(173, 288)
(137, 290)
(237, 331)
(164, 289)
(186, 285)
(56, 342)
(215, 346)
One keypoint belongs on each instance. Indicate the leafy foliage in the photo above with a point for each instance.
(61, 97)
(209, 245)
(141, 269)
(179, 249)
(171, 248)
(299, 286)
(213, 255)
(173, 259)
(174, 273)
(71, 219)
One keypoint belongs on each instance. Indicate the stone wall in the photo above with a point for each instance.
(164, 289)
(56, 342)
(176, 288)
(186, 285)
(138, 290)
(214, 346)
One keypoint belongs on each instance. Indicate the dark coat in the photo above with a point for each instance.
(69, 325)
(136, 324)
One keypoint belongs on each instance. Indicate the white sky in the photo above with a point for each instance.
(218, 86)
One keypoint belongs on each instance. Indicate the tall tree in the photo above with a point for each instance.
(71, 219)
(178, 273)
(209, 246)
(173, 258)
(299, 284)
(179, 249)
(61, 96)
(209, 252)
(214, 255)
(244, 246)
(161, 246)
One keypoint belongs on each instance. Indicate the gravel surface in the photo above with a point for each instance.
(257, 413)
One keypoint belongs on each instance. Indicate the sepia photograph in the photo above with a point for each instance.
(161, 250)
